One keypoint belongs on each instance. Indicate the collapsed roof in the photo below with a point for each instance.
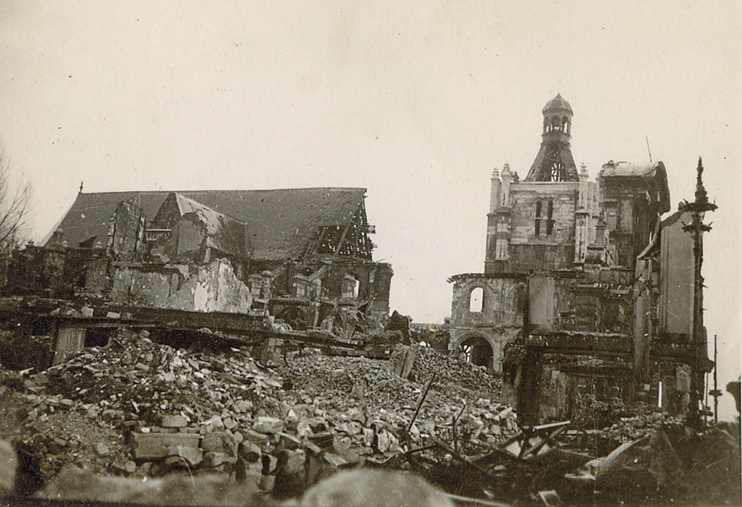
(280, 222)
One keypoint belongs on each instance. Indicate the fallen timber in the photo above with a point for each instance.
(68, 323)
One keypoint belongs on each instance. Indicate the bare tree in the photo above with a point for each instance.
(14, 200)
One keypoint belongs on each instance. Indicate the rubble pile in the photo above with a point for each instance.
(451, 371)
(637, 427)
(139, 408)
(353, 381)
(136, 408)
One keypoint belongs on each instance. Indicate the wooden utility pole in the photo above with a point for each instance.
(716, 393)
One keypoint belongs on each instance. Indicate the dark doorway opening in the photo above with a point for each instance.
(477, 351)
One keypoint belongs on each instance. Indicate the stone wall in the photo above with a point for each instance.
(210, 288)
(502, 317)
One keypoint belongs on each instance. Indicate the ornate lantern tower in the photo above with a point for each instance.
(554, 160)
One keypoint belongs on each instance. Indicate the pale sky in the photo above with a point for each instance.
(416, 101)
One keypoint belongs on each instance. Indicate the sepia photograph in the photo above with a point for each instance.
(324, 253)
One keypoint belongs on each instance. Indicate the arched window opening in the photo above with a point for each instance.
(476, 300)
(538, 218)
(549, 218)
(565, 125)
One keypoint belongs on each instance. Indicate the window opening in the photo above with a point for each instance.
(476, 300)
(538, 218)
(549, 218)
(501, 249)
(350, 287)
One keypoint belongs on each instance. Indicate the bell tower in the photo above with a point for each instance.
(554, 161)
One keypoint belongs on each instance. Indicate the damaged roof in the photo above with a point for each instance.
(655, 174)
(223, 232)
(280, 222)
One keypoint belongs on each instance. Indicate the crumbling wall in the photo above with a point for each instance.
(630, 218)
(126, 236)
(133, 285)
(188, 240)
(675, 307)
(577, 304)
(212, 288)
(58, 271)
(502, 317)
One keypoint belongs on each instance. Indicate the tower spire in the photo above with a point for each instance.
(554, 161)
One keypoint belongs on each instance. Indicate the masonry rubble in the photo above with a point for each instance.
(160, 409)
(139, 409)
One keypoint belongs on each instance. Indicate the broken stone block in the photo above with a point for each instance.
(303, 429)
(193, 455)
(130, 467)
(229, 423)
(161, 445)
(269, 463)
(394, 444)
(215, 459)
(368, 437)
(254, 436)
(288, 441)
(249, 451)
(317, 424)
(356, 414)
(220, 442)
(216, 423)
(267, 424)
(334, 459)
(415, 432)
(108, 415)
(143, 470)
(243, 406)
(291, 417)
(102, 449)
(353, 428)
(174, 421)
(382, 441)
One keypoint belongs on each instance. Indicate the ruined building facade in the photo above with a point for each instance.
(302, 257)
(583, 287)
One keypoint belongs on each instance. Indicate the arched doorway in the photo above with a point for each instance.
(477, 350)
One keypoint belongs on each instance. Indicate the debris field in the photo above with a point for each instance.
(142, 410)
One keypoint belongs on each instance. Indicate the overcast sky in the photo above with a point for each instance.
(416, 101)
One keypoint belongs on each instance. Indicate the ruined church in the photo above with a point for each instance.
(581, 290)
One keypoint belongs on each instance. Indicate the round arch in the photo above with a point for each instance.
(475, 348)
